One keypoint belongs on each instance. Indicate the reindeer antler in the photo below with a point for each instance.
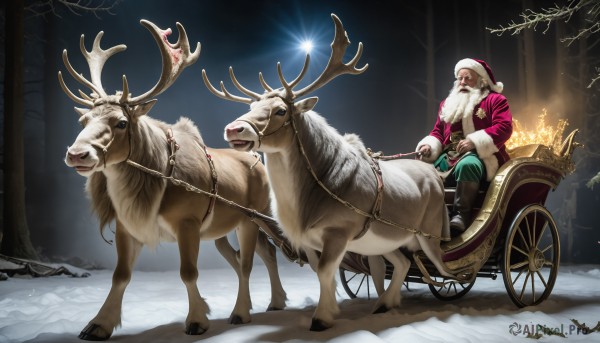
(334, 68)
(175, 58)
(225, 94)
(96, 58)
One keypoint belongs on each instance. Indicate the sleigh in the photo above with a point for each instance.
(512, 234)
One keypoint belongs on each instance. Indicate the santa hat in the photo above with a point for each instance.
(482, 69)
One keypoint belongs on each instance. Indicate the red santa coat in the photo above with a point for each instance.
(489, 126)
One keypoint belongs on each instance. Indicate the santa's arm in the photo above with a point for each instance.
(434, 140)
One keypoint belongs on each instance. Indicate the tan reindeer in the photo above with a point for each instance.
(118, 146)
(329, 194)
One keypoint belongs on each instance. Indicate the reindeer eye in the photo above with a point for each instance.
(280, 112)
(121, 124)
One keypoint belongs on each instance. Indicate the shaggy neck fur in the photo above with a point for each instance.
(340, 162)
(134, 195)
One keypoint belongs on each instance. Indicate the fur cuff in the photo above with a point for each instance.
(483, 143)
(491, 167)
(436, 148)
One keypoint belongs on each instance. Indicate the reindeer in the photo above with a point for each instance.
(123, 153)
(328, 193)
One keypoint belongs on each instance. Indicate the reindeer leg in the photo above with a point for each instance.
(247, 237)
(431, 248)
(188, 239)
(391, 297)
(226, 250)
(313, 259)
(377, 269)
(267, 253)
(334, 247)
(109, 317)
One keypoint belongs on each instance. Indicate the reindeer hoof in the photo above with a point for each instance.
(236, 320)
(381, 309)
(88, 335)
(273, 308)
(319, 325)
(194, 329)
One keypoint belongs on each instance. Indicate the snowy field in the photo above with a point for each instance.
(55, 309)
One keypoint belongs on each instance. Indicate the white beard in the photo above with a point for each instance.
(459, 105)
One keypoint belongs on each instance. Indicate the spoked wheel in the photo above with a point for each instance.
(451, 290)
(357, 284)
(531, 256)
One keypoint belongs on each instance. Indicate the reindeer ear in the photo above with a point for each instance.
(81, 111)
(305, 105)
(143, 108)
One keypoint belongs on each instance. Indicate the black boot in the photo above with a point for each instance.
(466, 192)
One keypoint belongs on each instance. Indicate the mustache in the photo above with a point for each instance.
(465, 88)
(462, 89)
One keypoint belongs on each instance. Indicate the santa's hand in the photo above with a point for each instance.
(424, 151)
(464, 146)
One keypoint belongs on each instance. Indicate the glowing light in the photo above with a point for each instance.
(543, 134)
(306, 45)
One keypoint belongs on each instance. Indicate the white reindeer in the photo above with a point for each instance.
(328, 195)
(117, 150)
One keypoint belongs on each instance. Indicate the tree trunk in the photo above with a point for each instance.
(530, 63)
(583, 77)
(15, 239)
(561, 68)
(486, 41)
(457, 22)
(432, 105)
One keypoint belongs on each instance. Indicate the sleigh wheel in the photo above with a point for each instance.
(451, 290)
(531, 256)
(357, 284)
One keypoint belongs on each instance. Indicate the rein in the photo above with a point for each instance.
(375, 214)
(173, 148)
(261, 133)
(380, 156)
(254, 215)
(104, 148)
(264, 222)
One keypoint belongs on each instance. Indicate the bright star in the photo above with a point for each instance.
(307, 46)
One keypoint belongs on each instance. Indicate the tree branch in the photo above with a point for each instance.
(531, 19)
(77, 7)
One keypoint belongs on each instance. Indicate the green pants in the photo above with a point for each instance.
(469, 168)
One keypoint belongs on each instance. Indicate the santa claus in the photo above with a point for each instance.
(467, 141)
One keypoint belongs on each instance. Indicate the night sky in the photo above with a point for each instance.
(382, 105)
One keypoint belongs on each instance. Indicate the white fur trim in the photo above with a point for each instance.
(498, 87)
(483, 143)
(470, 63)
(485, 150)
(467, 122)
(491, 167)
(436, 148)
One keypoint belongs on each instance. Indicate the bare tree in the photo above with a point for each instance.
(530, 19)
(77, 7)
(15, 239)
(586, 13)
(529, 62)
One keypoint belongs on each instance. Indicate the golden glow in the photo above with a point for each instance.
(547, 135)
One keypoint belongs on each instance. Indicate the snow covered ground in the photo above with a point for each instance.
(55, 309)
